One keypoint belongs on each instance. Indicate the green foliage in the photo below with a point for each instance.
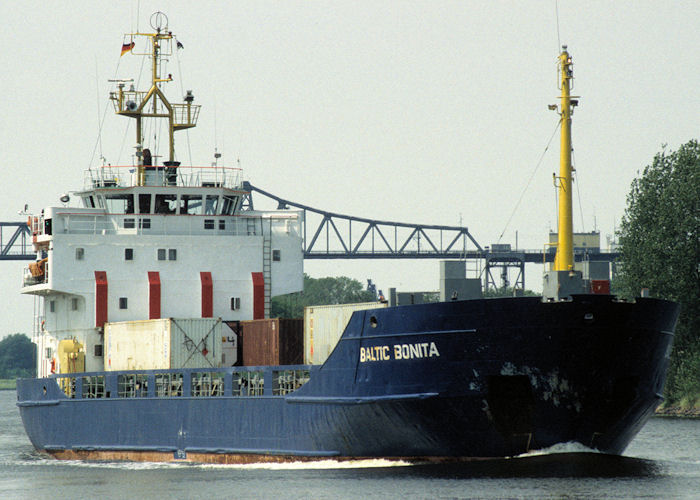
(660, 250)
(508, 291)
(318, 292)
(17, 357)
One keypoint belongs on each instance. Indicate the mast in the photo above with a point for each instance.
(153, 103)
(564, 260)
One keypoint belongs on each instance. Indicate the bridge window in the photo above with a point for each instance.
(222, 224)
(212, 203)
(128, 254)
(79, 253)
(129, 223)
(144, 203)
(208, 223)
(74, 303)
(145, 223)
(165, 203)
(120, 203)
(52, 306)
(229, 205)
(235, 303)
(276, 255)
(161, 254)
(172, 254)
(123, 302)
(191, 204)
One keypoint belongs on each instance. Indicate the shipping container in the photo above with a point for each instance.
(323, 326)
(231, 354)
(275, 341)
(163, 343)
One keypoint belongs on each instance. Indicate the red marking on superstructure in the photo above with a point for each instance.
(153, 295)
(601, 287)
(258, 296)
(207, 294)
(100, 298)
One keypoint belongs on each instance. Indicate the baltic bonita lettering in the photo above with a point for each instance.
(399, 351)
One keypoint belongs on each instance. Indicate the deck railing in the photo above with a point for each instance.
(189, 176)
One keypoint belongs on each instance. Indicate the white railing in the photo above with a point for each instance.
(127, 176)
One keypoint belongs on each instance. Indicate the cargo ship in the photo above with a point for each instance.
(154, 341)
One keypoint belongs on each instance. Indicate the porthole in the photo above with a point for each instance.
(373, 321)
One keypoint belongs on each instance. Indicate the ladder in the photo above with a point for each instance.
(267, 269)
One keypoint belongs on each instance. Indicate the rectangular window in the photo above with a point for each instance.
(229, 205)
(276, 255)
(144, 203)
(222, 224)
(172, 254)
(161, 254)
(235, 303)
(122, 303)
(211, 204)
(145, 223)
(208, 223)
(79, 253)
(48, 352)
(128, 254)
(98, 350)
(120, 203)
(74, 303)
(191, 204)
(129, 223)
(52, 306)
(165, 203)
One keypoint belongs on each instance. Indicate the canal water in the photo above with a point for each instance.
(662, 462)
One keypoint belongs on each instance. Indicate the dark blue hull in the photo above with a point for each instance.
(482, 378)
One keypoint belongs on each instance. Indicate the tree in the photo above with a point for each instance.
(318, 292)
(660, 250)
(17, 356)
(508, 291)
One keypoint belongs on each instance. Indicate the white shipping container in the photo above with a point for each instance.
(163, 343)
(323, 326)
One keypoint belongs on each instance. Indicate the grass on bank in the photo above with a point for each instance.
(8, 384)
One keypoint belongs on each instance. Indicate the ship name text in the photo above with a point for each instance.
(398, 352)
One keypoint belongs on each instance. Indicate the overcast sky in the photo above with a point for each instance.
(425, 112)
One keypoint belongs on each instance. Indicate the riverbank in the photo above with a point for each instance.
(8, 384)
(686, 408)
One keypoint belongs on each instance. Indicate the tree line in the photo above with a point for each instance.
(17, 357)
(660, 250)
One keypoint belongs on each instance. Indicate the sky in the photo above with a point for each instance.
(431, 112)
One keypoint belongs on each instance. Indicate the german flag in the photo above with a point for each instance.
(126, 47)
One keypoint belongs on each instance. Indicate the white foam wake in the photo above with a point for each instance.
(568, 447)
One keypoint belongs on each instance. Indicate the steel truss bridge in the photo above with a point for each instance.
(328, 235)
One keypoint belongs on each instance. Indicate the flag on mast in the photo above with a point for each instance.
(126, 47)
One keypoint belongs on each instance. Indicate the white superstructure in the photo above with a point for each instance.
(154, 241)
